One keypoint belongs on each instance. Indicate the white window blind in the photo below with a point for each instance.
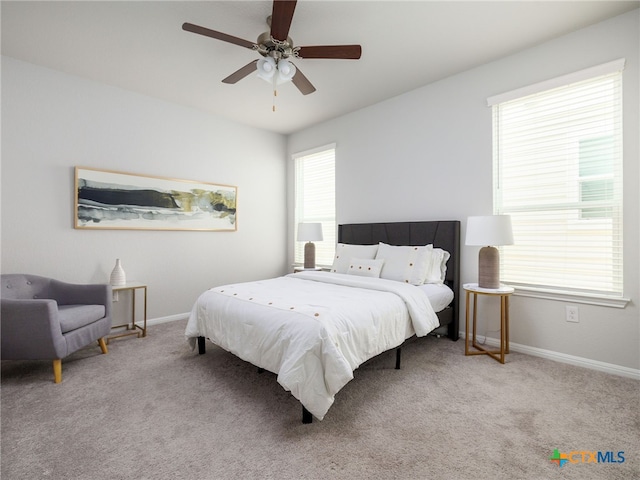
(558, 173)
(315, 200)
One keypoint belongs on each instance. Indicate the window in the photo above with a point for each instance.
(315, 200)
(558, 173)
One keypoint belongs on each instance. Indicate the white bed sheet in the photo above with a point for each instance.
(309, 329)
(440, 295)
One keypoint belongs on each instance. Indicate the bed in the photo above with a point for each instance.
(313, 329)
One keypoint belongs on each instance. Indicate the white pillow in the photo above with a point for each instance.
(365, 267)
(345, 252)
(437, 270)
(406, 264)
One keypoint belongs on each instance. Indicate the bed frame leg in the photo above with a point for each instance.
(398, 358)
(306, 416)
(201, 347)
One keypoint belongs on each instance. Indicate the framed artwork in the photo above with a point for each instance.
(116, 200)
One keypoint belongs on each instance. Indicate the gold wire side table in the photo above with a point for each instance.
(132, 328)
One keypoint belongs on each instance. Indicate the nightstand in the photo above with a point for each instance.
(302, 269)
(504, 292)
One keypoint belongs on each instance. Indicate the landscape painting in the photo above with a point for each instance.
(116, 200)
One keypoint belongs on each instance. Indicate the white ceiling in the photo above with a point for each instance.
(140, 46)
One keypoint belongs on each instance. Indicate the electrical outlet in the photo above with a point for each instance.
(572, 314)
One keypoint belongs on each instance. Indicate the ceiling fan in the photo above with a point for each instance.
(276, 47)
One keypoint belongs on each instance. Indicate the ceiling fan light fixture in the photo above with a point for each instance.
(275, 71)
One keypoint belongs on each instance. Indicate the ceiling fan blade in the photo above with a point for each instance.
(241, 73)
(281, 18)
(190, 27)
(302, 83)
(349, 52)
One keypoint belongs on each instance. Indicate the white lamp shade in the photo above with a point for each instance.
(266, 68)
(309, 232)
(489, 230)
(286, 71)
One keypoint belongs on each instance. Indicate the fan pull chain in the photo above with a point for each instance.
(275, 91)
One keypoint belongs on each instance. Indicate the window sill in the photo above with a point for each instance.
(573, 297)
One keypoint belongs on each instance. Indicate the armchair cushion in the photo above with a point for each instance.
(72, 317)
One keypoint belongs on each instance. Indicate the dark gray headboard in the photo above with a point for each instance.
(443, 234)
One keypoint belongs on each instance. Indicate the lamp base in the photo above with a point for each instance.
(489, 268)
(309, 255)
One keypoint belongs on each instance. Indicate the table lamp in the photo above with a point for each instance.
(489, 231)
(309, 232)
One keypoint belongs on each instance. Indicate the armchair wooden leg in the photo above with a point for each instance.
(57, 370)
(103, 345)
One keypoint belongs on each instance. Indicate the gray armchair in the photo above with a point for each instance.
(46, 319)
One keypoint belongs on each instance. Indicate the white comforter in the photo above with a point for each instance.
(311, 328)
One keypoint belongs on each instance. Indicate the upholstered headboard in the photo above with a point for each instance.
(443, 234)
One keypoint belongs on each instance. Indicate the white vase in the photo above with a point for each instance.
(118, 276)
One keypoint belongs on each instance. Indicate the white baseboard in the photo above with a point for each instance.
(565, 358)
(170, 318)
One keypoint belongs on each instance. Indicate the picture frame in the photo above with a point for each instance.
(108, 199)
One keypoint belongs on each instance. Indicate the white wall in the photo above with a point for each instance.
(427, 155)
(52, 122)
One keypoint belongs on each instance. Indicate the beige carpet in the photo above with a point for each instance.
(153, 409)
